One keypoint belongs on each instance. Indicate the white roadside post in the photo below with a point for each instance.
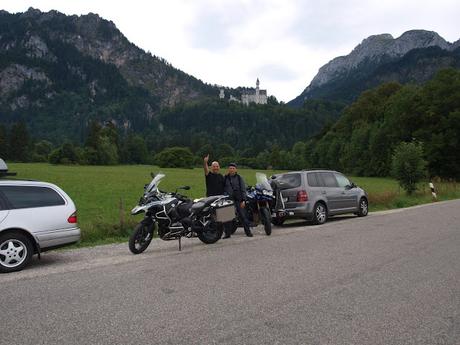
(433, 192)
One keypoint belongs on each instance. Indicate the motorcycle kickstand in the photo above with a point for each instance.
(180, 243)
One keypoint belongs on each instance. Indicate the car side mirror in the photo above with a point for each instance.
(351, 186)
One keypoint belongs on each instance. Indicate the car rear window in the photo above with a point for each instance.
(314, 180)
(329, 179)
(288, 180)
(31, 196)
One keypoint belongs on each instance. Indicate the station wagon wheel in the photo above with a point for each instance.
(15, 252)
(363, 208)
(319, 213)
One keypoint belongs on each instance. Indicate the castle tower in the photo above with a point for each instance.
(257, 90)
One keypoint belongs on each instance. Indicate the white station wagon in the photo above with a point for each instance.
(34, 217)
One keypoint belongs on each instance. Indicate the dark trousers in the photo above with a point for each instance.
(242, 216)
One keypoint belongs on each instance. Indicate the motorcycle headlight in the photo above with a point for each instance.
(267, 192)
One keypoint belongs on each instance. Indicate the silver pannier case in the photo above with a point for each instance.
(225, 211)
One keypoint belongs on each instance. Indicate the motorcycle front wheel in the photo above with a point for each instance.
(266, 220)
(140, 238)
(211, 233)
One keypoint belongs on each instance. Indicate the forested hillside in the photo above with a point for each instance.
(58, 73)
(363, 140)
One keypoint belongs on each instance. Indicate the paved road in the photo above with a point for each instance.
(390, 278)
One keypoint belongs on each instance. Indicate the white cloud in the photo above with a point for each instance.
(284, 43)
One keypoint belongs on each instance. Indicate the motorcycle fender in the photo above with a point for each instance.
(147, 221)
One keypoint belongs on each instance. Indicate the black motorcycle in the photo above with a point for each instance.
(258, 204)
(175, 216)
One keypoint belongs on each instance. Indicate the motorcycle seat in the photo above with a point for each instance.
(199, 205)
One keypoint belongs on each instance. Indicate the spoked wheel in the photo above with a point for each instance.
(15, 252)
(141, 238)
(211, 233)
(319, 213)
(363, 208)
(266, 220)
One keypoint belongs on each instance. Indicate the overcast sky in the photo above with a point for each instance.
(283, 42)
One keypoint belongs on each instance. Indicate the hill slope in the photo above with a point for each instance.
(414, 57)
(58, 71)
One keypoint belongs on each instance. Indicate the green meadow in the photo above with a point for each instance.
(104, 195)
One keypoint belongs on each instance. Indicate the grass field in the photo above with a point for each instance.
(104, 195)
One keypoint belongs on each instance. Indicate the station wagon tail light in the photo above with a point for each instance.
(73, 218)
(302, 196)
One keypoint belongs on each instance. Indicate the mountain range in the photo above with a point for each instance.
(414, 57)
(59, 72)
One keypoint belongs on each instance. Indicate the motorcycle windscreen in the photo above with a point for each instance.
(155, 182)
(262, 181)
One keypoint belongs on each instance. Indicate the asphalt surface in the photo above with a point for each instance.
(389, 278)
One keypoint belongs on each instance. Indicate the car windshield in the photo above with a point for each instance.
(262, 181)
(153, 186)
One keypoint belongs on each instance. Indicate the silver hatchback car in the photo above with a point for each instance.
(315, 195)
(34, 217)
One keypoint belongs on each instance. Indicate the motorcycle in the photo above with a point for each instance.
(175, 216)
(258, 204)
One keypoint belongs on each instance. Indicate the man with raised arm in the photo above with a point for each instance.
(214, 179)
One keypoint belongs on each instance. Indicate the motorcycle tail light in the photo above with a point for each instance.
(73, 218)
(302, 196)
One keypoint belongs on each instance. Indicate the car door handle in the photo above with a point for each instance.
(323, 192)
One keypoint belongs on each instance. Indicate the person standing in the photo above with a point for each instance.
(214, 179)
(235, 188)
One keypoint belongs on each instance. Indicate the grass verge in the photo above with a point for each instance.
(104, 195)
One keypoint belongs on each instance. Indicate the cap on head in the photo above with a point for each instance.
(232, 165)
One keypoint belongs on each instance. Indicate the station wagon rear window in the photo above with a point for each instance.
(288, 181)
(31, 196)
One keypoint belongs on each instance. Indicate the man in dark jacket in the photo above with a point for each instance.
(235, 187)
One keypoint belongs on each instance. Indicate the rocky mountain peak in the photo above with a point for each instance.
(374, 49)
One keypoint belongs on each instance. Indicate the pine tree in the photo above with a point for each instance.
(3, 142)
(19, 142)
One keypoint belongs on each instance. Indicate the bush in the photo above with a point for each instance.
(175, 157)
(65, 154)
(408, 165)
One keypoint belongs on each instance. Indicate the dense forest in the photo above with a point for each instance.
(363, 139)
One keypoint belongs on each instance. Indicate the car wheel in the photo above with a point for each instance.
(363, 207)
(319, 213)
(15, 252)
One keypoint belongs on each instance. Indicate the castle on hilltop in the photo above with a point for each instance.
(256, 95)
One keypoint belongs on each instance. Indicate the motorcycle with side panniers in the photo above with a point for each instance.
(174, 216)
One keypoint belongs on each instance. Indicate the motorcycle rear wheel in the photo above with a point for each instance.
(140, 238)
(266, 220)
(211, 233)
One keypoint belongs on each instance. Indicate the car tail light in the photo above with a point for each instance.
(302, 196)
(73, 218)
